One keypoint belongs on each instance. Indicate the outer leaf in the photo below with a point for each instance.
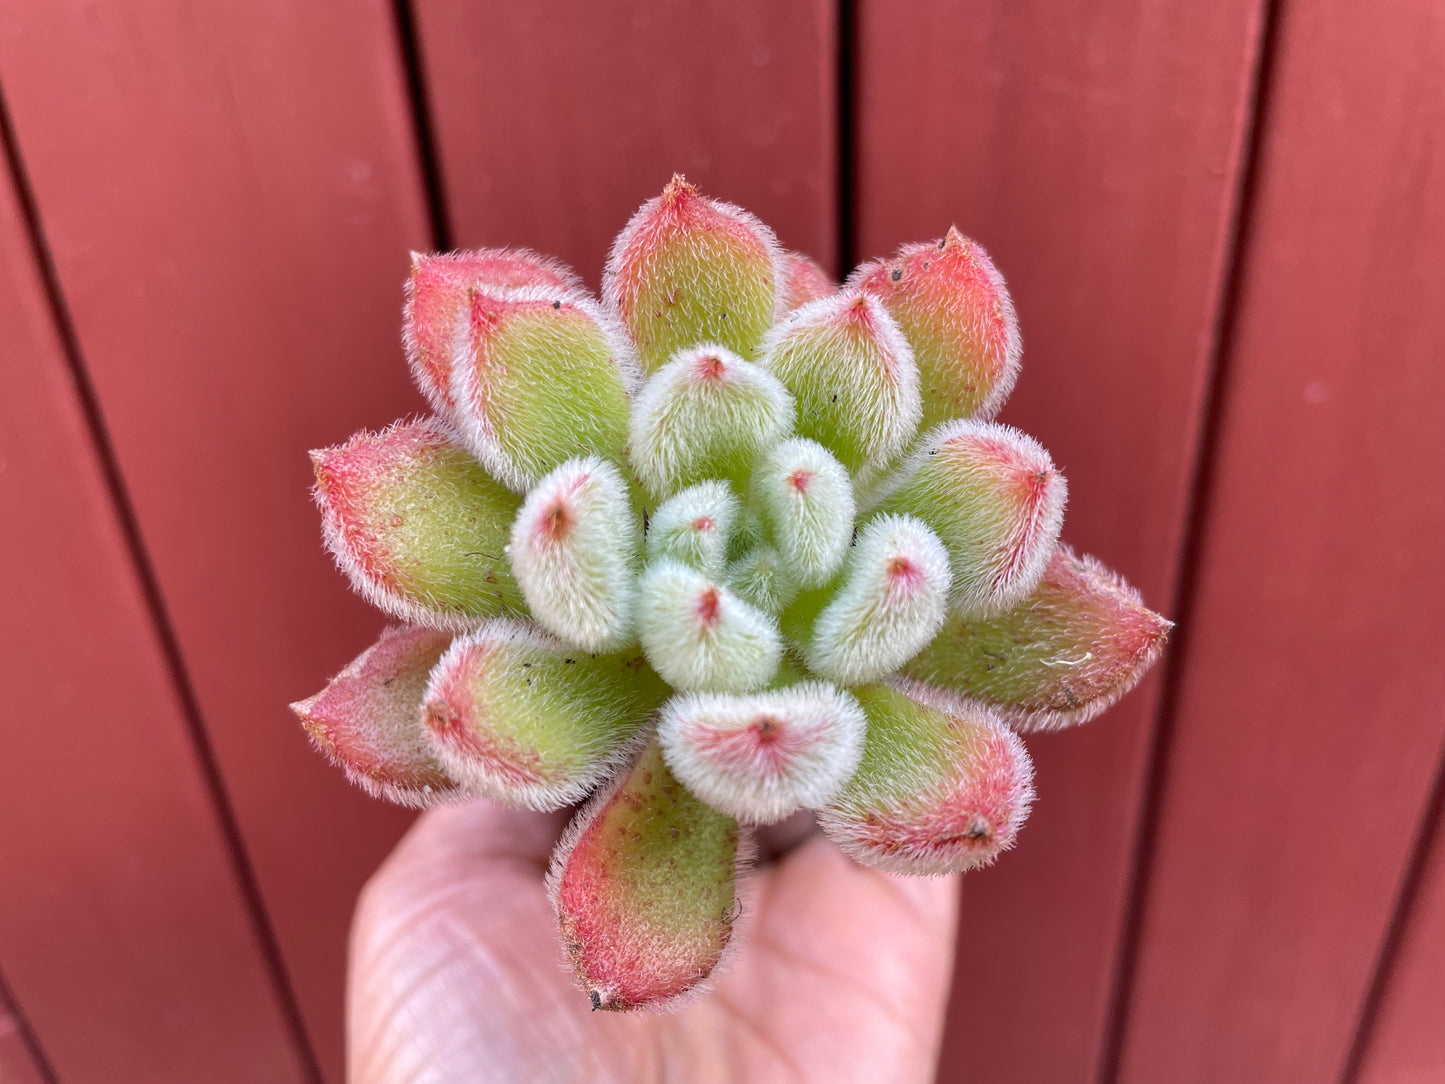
(645, 887)
(687, 269)
(435, 322)
(936, 793)
(764, 756)
(540, 379)
(952, 305)
(368, 720)
(808, 499)
(700, 636)
(705, 415)
(891, 604)
(853, 377)
(1068, 651)
(803, 281)
(528, 721)
(574, 548)
(995, 498)
(417, 526)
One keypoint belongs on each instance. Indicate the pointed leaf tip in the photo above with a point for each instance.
(645, 888)
(687, 269)
(367, 721)
(935, 793)
(954, 309)
(417, 525)
(1063, 655)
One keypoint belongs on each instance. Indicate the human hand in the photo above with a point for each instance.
(840, 973)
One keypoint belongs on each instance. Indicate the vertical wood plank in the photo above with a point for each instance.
(554, 122)
(1094, 149)
(1308, 724)
(230, 192)
(122, 924)
(1405, 1043)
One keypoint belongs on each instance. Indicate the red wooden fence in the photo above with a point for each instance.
(1224, 226)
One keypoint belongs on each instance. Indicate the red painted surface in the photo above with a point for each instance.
(1094, 152)
(123, 930)
(230, 191)
(1309, 725)
(17, 1064)
(1406, 1040)
(555, 121)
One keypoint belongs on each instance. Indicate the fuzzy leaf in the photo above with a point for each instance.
(1068, 651)
(995, 498)
(803, 281)
(435, 321)
(853, 377)
(808, 500)
(759, 578)
(687, 269)
(892, 602)
(645, 888)
(540, 379)
(700, 636)
(574, 549)
(935, 793)
(955, 311)
(526, 720)
(368, 720)
(764, 756)
(417, 525)
(705, 415)
(694, 527)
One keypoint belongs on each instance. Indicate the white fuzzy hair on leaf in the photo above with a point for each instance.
(764, 756)
(481, 412)
(704, 415)
(965, 479)
(808, 500)
(569, 284)
(700, 636)
(573, 552)
(744, 860)
(761, 578)
(505, 685)
(430, 610)
(893, 602)
(695, 526)
(857, 394)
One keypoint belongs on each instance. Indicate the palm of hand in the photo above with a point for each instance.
(841, 974)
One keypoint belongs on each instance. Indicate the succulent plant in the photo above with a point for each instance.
(728, 544)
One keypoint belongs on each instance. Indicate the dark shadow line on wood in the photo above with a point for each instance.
(423, 128)
(11, 1006)
(847, 112)
(1432, 825)
(159, 615)
(1201, 488)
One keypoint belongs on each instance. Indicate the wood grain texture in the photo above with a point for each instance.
(555, 121)
(1094, 150)
(122, 925)
(1308, 727)
(230, 192)
(1405, 1042)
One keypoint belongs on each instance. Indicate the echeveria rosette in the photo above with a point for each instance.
(726, 544)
